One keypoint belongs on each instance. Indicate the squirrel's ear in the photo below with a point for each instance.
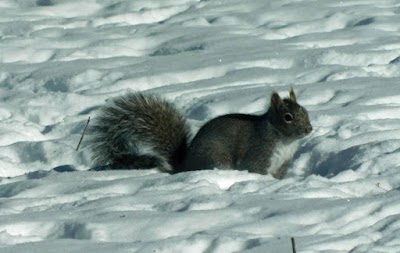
(292, 94)
(276, 100)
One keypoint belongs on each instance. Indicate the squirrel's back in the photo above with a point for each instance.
(139, 130)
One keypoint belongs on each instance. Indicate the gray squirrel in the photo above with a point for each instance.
(142, 131)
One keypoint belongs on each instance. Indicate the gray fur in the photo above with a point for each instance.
(137, 131)
(249, 142)
(144, 131)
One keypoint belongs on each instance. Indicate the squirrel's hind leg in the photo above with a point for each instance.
(209, 160)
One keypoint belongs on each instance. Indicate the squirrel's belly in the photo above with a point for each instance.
(282, 153)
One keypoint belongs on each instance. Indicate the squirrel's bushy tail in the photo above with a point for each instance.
(140, 131)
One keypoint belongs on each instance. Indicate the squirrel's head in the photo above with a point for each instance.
(289, 118)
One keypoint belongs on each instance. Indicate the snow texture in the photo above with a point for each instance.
(60, 60)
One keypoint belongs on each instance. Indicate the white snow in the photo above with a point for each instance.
(60, 60)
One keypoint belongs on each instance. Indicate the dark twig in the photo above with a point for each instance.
(293, 245)
(84, 130)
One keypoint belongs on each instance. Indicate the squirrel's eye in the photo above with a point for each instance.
(288, 117)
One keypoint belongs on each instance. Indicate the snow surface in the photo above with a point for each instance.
(60, 60)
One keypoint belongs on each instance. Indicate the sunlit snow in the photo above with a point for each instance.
(60, 60)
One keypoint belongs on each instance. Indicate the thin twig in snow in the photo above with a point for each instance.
(293, 245)
(84, 130)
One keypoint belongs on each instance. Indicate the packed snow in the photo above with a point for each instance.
(60, 60)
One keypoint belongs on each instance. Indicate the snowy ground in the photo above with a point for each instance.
(61, 59)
